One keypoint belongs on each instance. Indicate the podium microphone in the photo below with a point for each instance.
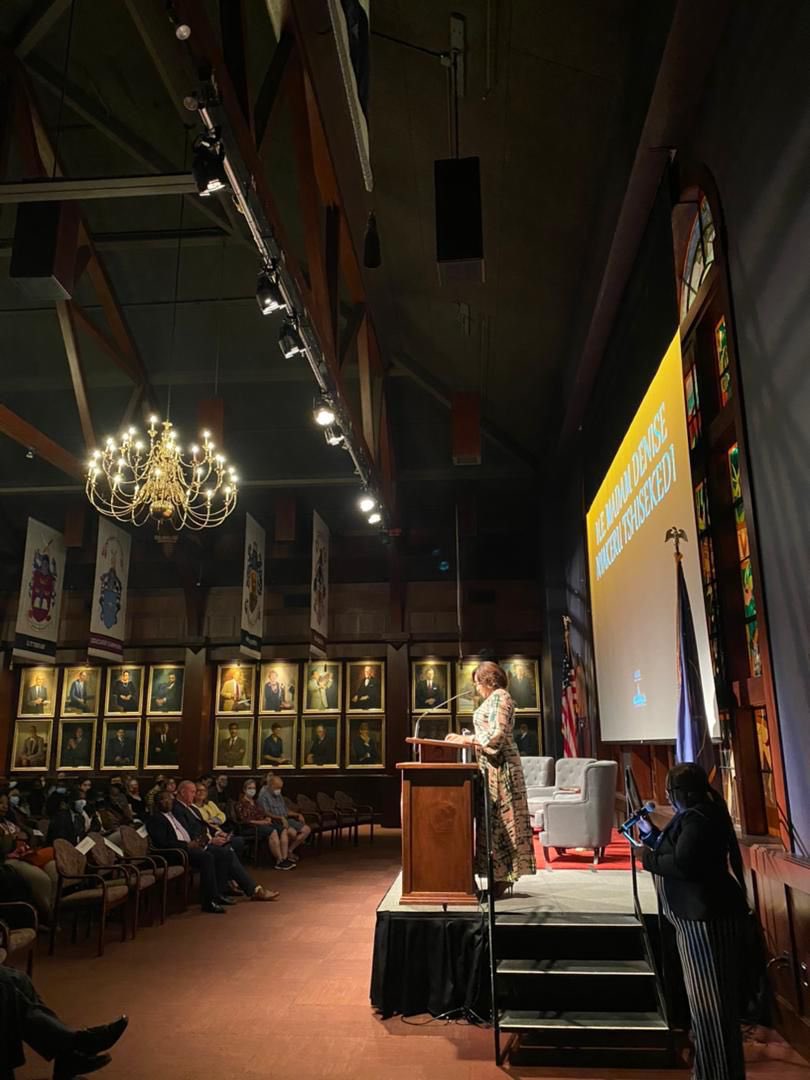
(433, 708)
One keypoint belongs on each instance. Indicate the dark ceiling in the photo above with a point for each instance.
(555, 96)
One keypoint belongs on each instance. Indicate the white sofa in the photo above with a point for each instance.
(585, 820)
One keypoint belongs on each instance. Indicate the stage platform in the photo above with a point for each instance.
(431, 959)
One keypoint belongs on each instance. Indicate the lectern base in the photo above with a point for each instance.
(457, 899)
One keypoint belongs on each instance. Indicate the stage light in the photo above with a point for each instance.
(375, 518)
(323, 412)
(289, 339)
(367, 502)
(182, 32)
(333, 436)
(207, 166)
(269, 296)
(372, 256)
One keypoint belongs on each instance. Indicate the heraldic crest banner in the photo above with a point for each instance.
(250, 643)
(319, 598)
(40, 606)
(108, 615)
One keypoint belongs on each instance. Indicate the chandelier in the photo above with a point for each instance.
(136, 483)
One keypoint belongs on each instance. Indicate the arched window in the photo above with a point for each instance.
(699, 254)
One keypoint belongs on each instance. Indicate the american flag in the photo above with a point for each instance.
(569, 702)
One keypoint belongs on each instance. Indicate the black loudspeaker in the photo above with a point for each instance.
(459, 225)
(43, 255)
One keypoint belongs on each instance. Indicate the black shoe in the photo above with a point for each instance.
(74, 1066)
(225, 901)
(96, 1040)
(213, 908)
(285, 864)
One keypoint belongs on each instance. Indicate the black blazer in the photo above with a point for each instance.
(691, 855)
(191, 822)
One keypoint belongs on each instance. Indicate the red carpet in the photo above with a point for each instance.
(616, 857)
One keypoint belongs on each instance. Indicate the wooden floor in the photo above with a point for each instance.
(280, 992)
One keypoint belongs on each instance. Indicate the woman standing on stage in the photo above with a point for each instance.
(504, 785)
(708, 908)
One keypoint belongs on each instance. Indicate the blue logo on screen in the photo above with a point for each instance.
(639, 698)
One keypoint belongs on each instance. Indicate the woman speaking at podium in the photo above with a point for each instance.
(504, 785)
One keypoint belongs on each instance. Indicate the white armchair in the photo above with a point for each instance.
(567, 774)
(537, 772)
(587, 820)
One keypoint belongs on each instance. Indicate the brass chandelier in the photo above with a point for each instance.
(136, 483)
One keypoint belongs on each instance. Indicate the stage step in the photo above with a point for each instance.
(579, 984)
(557, 919)
(574, 967)
(578, 1030)
(569, 936)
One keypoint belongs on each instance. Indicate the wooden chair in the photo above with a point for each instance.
(347, 819)
(364, 814)
(142, 876)
(79, 890)
(19, 926)
(328, 821)
(136, 851)
(313, 819)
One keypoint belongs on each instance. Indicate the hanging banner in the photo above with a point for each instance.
(108, 615)
(252, 590)
(319, 595)
(43, 577)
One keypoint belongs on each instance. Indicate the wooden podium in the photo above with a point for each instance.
(437, 826)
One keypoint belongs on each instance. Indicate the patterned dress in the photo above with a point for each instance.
(498, 757)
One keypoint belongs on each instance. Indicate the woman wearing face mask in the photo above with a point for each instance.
(26, 862)
(707, 908)
(249, 813)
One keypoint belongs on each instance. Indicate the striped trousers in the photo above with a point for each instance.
(710, 958)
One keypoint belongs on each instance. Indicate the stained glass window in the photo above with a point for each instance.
(699, 254)
(708, 574)
(746, 571)
(766, 769)
(690, 389)
(721, 355)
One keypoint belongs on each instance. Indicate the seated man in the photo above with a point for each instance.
(25, 1018)
(217, 860)
(271, 800)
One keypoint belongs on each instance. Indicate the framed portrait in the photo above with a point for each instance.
(471, 699)
(365, 742)
(365, 686)
(324, 686)
(430, 685)
(81, 691)
(235, 687)
(162, 747)
(165, 694)
(433, 726)
(32, 745)
(75, 745)
(124, 690)
(120, 744)
(278, 687)
(524, 683)
(320, 741)
(233, 742)
(276, 737)
(37, 692)
(528, 736)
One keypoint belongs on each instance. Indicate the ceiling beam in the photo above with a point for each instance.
(64, 189)
(68, 330)
(106, 344)
(234, 51)
(45, 15)
(350, 331)
(271, 92)
(14, 427)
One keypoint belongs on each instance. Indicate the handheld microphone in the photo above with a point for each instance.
(642, 812)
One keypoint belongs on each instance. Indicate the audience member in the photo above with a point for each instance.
(26, 1019)
(249, 812)
(25, 861)
(211, 815)
(219, 792)
(209, 811)
(271, 800)
(136, 803)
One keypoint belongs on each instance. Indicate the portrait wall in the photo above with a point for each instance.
(276, 737)
(365, 686)
(120, 741)
(37, 692)
(165, 694)
(523, 684)
(235, 684)
(471, 699)
(365, 742)
(233, 742)
(81, 691)
(278, 687)
(324, 686)
(31, 749)
(75, 745)
(320, 741)
(430, 685)
(162, 750)
(528, 736)
(124, 690)
(431, 727)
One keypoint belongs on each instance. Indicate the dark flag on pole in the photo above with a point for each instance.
(568, 711)
(692, 742)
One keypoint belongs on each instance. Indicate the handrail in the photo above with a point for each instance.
(491, 921)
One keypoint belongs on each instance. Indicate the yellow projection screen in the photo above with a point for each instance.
(647, 489)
